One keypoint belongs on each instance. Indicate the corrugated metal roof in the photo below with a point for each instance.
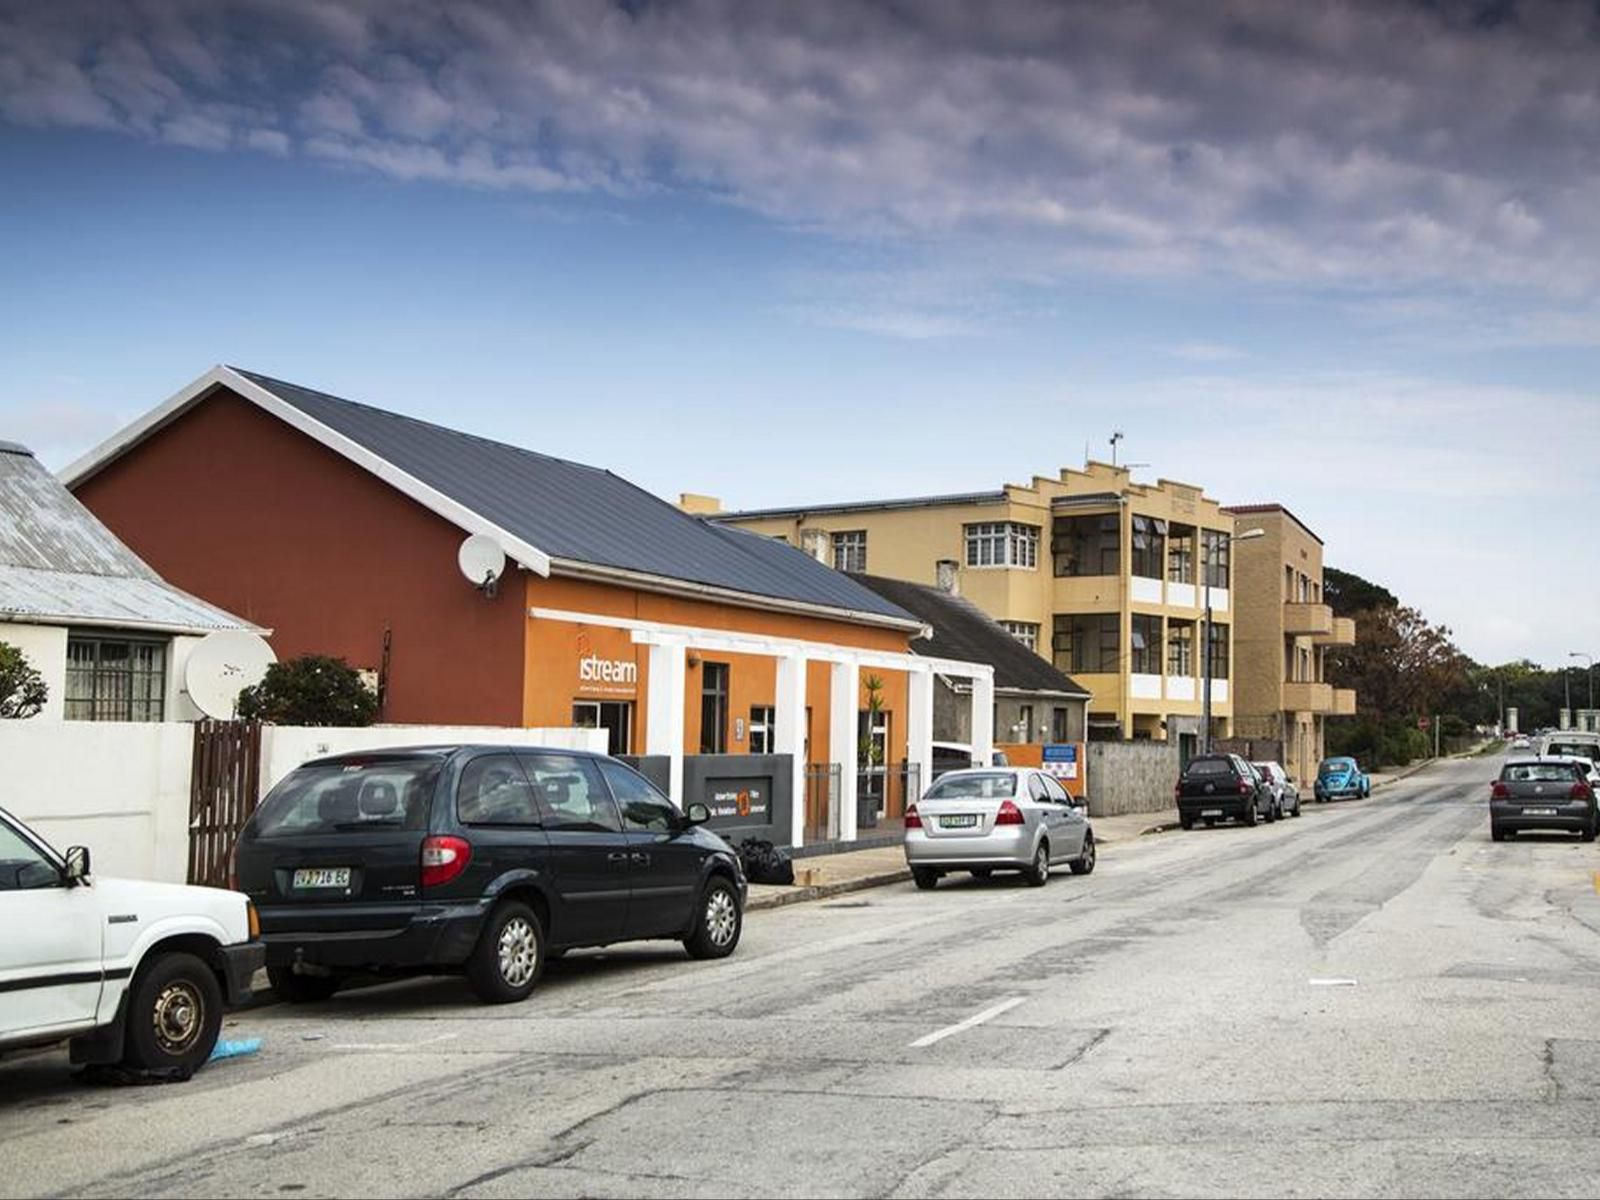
(580, 513)
(964, 631)
(59, 564)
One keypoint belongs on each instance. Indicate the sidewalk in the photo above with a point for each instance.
(824, 875)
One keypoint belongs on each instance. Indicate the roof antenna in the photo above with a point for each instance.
(1116, 436)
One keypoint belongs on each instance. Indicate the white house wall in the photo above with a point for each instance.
(46, 648)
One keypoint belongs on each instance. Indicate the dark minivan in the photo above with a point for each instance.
(1214, 787)
(479, 859)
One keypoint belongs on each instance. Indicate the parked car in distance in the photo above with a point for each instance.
(986, 819)
(482, 860)
(1217, 787)
(1285, 791)
(1341, 779)
(126, 971)
(1542, 793)
(1521, 742)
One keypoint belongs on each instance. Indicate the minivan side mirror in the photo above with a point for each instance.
(77, 864)
(696, 814)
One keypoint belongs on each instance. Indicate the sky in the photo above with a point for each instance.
(1342, 256)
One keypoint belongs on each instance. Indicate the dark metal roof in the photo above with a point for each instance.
(849, 506)
(962, 630)
(583, 514)
(1241, 510)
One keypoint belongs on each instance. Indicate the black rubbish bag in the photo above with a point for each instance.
(764, 862)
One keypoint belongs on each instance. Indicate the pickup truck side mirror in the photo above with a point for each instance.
(77, 864)
(696, 814)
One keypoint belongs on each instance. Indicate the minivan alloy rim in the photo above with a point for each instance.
(177, 1016)
(519, 951)
(721, 916)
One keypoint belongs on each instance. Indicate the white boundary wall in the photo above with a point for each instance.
(122, 788)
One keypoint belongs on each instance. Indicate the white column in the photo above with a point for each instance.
(983, 719)
(919, 726)
(664, 721)
(789, 736)
(844, 702)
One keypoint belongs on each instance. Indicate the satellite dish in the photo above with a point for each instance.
(482, 562)
(221, 665)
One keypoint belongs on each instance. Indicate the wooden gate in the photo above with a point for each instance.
(224, 787)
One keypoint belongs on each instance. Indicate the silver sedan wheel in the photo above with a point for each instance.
(722, 917)
(519, 952)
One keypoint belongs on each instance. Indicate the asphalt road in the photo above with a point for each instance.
(1371, 1000)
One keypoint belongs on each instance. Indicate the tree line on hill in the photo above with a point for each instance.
(1405, 668)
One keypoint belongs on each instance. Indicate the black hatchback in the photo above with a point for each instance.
(485, 860)
(1214, 787)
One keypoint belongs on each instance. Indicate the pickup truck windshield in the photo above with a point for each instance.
(349, 797)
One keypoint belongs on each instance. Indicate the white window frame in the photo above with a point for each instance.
(1026, 632)
(990, 545)
(849, 548)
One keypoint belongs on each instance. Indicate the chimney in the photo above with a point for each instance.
(948, 581)
(817, 544)
(699, 505)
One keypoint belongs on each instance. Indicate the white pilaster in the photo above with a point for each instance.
(844, 703)
(983, 719)
(789, 736)
(919, 727)
(664, 721)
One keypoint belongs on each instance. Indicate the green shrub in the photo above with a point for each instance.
(311, 690)
(23, 690)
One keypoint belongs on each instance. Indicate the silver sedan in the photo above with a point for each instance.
(985, 820)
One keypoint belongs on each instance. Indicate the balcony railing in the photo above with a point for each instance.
(1343, 634)
(1308, 697)
(1344, 702)
(1315, 619)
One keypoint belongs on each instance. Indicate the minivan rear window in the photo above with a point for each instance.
(349, 797)
(1209, 766)
(990, 785)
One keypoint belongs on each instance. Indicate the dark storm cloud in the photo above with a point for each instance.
(1362, 143)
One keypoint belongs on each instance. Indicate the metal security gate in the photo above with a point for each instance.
(822, 802)
(224, 788)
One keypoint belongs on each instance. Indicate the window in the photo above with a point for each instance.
(494, 791)
(1058, 724)
(987, 785)
(1180, 554)
(1056, 792)
(1146, 645)
(1219, 651)
(1037, 792)
(1214, 544)
(714, 708)
(1025, 722)
(1180, 648)
(1087, 545)
(115, 679)
(1149, 546)
(1288, 582)
(1088, 642)
(1025, 632)
(614, 716)
(22, 866)
(643, 808)
(1305, 589)
(350, 796)
(763, 722)
(850, 550)
(1002, 544)
(570, 794)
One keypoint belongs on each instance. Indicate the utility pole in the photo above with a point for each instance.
(1248, 535)
(1566, 677)
(1590, 657)
(1436, 735)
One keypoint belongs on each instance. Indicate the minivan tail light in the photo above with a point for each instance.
(1499, 791)
(913, 818)
(443, 858)
(1009, 814)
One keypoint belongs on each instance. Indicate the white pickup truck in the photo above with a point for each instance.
(130, 972)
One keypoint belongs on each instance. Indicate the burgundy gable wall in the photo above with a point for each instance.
(239, 508)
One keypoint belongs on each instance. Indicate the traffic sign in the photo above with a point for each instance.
(1422, 722)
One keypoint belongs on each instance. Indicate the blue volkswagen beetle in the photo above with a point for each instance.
(1341, 779)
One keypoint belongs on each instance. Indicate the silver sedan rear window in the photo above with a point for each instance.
(990, 785)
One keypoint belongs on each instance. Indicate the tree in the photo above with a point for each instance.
(313, 689)
(1350, 594)
(23, 690)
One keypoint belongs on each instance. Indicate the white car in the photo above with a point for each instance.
(129, 972)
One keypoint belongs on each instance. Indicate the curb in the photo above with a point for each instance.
(822, 891)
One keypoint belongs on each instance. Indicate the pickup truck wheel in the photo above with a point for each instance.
(174, 1015)
(509, 956)
(718, 922)
(301, 989)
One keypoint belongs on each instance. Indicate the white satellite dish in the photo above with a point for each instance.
(221, 665)
(482, 562)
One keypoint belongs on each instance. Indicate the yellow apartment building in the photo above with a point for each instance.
(1280, 688)
(1104, 576)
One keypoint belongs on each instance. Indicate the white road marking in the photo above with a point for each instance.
(443, 1037)
(1332, 982)
(987, 1014)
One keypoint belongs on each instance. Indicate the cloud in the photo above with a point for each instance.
(1205, 352)
(1363, 144)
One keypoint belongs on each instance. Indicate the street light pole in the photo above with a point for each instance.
(1248, 535)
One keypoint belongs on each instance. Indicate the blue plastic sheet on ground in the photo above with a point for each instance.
(235, 1049)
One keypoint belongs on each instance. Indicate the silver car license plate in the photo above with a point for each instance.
(1210, 812)
(959, 821)
(1538, 812)
(322, 877)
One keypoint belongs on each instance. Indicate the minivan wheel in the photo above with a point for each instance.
(301, 989)
(509, 956)
(1084, 863)
(1039, 873)
(719, 922)
(174, 1015)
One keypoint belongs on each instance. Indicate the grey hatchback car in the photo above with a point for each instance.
(986, 819)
